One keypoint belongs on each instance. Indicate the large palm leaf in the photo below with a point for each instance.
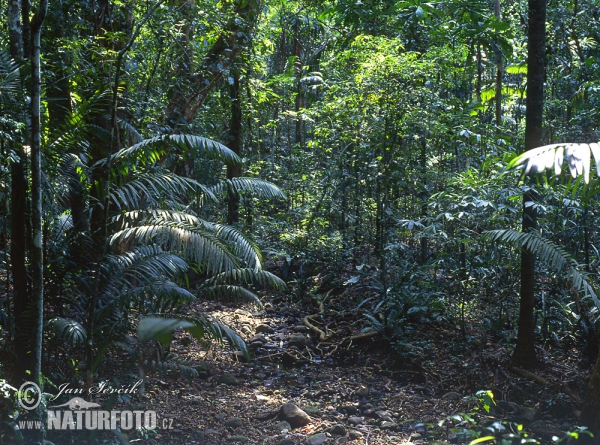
(577, 156)
(557, 258)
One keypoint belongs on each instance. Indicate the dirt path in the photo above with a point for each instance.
(363, 394)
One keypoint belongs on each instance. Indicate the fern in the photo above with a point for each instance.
(557, 258)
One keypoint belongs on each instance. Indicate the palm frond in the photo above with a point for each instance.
(233, 293)
(200, 326)
(144, 264)
(257, 187)
(548, 252)
(185, 233)
(67, 330)
(152, 150)
(195, 243)
(148, 187)
(577, 156)
(245, 275)
(10, 83)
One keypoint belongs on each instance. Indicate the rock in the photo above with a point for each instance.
(212, 431)
(317, 439)
(227, 379)
(234, 422)
(294, 415)
(538, 425)
(362, 392)
(286, 442)
(350, 409)
(240, 439)
(353, 434)
(300, 328)
(298, 340)
(312, 411)
(384, 415)
(197, 400)
(337, 430)
(264, 328)
(387, 425)
(282, 426)
(355, 420)
(528, 414)
(257, 338)
(242, 312)
(186, 341)
(451, 396)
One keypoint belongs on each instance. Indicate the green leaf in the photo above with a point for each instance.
(516, 69)
(161, 329)
(482, 439)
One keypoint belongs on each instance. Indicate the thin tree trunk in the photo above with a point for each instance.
(536, 52)
(18, 222)
(499, 70)
(235, 144)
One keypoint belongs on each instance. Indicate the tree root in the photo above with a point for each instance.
(306, 320)
(543, 381)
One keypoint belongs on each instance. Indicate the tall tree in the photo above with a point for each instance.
(536, 53)
(18, 209)
(187, 100)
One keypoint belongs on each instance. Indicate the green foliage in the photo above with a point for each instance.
(550, 253)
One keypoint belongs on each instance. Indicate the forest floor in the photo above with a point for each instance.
(356, 389)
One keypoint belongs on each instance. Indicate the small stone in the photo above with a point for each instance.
(312, 410)
(350, 409)
(227, 379)
(528, 414)
(300, 328)
(384, 415)
(451, 396)
(538, 425)
(282, 426)
(234, 422)
(287, 442)
(237, 439)
(338, 430)
(257, 338)
(294, 415)
(355, 420)
(185, 341)
(387, 425)
(197, 400)
(317, 439)
(353, 434)
(362, 392)
(212, 431)
(298, 340)
(264, 328)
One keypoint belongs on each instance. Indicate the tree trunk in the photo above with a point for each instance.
(18, 221)
(590, 411)
(499, 70)
(235, 144)
(536, 52)
(185, 103)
